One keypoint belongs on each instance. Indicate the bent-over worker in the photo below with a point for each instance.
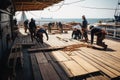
(40, 35)
(100, 33)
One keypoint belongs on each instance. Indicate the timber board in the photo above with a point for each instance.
(48, 72)
(59, 70)
(35, 68)
(106, 60)
(75, 68)
(57, 56)
(41, 57)
(88, 67)
(104, 68)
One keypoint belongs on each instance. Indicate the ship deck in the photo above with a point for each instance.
(50, 61)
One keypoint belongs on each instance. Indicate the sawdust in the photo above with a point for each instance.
(75, 47)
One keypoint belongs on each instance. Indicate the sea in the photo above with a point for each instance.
(43, 21)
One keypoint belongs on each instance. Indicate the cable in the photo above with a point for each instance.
(60, 6)
(73, 2)
(98, 8)
(84, 6)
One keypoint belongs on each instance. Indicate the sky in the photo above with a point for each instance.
(75, 9)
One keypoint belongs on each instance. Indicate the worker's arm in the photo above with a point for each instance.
(46, 35)
(72, 34)
(92, 37)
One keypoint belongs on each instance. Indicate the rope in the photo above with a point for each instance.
(98, 8)
(73, 2)
(60, 6)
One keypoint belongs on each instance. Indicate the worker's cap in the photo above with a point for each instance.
(91, 26)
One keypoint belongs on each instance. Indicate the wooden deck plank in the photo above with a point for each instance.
(41, 57)
(35, 68)
(47, 54)
(88, 67)
(103, 54)
(106, 69)
(48, 72)
(64, 67)
(45, 49)
(15, 56)
(106, 61)
(65, 54)
(75, 68)
(99, 77)
(57, 56)
(60, 71)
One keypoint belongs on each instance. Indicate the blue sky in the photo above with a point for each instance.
(76, 9)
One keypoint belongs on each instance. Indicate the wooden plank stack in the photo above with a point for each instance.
(83, 63)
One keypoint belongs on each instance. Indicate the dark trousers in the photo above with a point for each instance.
(84, 32)
(40, 37)
(77, 36)
(49, 29)
(100, 38)
(32, 33)
(26, 27)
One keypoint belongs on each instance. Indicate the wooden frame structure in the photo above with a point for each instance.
(28, 5)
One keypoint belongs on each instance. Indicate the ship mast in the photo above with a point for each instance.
(117, 12)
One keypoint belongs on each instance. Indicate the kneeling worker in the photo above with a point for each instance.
(76, 34)
(100, 33)
(40, 35)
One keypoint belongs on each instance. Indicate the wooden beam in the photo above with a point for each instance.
(33, 5)
(45, 49)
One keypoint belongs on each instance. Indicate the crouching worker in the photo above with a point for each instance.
(76, 34)
(40, 35)
(100, 33)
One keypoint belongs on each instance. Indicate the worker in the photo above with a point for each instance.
(49, 27)
(84, 28)
(32, 28)
(76, 34)
(100, 33)
(26, 25)
(60, 27)
(40, 34)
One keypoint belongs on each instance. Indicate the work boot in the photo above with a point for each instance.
(105, 47)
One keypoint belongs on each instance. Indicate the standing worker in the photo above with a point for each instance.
(84, 28)
(32, 28)
(100, 33)
(61, 27)
(49, 27)
(26, 25)
(40, 35)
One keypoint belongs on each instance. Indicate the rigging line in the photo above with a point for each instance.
(73, 2)
(60, 6)
(98, 8)
(56, 9)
